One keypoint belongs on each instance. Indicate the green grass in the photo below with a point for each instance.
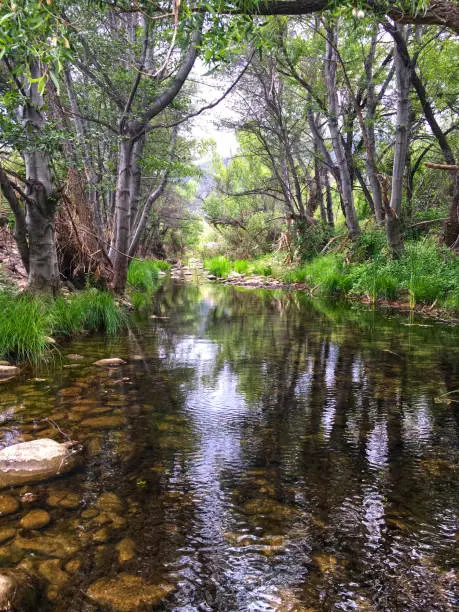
(424, 273)
(241, 266)
(24, 328)
(144, 274)
(27, 323)
(218, 266)
(324, 274)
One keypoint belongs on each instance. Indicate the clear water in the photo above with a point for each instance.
(267, 452)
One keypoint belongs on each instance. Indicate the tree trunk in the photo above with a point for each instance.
(352, 221)
(41, 200)
(394, 207)
(20, 226)
(370, 160)
(120, 242)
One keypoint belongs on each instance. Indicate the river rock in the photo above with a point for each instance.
(35, 519)
(110, 362)
(63, 499)
(8, 504)
(73, 566)
(18, 592)
(127, 593)
(6, 371)
(103, 422)
(6, 533)
(110, 502)
(36, 461)
(126, 550)
(52, 571)
(56, 545)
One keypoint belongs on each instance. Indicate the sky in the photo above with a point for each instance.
(206, 125)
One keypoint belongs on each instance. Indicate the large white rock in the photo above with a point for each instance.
(8, 370)
(18, 592)
(36, 460)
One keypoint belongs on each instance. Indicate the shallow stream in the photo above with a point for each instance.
(257, 452)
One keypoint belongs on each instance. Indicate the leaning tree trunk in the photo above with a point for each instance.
(352, 221)
(41, 199)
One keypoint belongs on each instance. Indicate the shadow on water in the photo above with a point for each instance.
(258, 451)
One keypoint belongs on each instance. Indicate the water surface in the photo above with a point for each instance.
(263, 452)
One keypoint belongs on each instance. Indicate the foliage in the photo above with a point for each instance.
(309, 239)
(241, 266)
(91, 310)
(24, 328)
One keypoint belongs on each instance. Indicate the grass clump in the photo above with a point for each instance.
(324, 274)
(24, 328)
(143, 274)
(218, 266)
(28, 323)
(241, 266)
(91, 310)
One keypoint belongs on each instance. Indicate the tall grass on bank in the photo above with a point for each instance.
(219, 266)
(24, 328)
(425, 273)
(144, 274)
(143, 278)
(27, 323)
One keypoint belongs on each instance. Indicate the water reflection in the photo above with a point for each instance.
(267, 453)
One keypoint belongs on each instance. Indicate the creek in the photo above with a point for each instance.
(258, 451)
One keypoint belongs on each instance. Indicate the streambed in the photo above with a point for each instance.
(257, 451)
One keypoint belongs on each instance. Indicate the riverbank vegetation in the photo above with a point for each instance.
(342, 113)
(426, 273)
(31, 324)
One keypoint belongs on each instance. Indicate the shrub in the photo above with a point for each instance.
(218, 266)
(309, 240)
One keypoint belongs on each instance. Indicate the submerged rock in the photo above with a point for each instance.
(52, 571)
(8, 505)
(126, 550)
(63, 499)
(103, 422)
(127, 593)
(56, 545)
(6, 533)
(35, 519)
(110, 502)
(36, 461)
(18, 592)
(110, 362)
